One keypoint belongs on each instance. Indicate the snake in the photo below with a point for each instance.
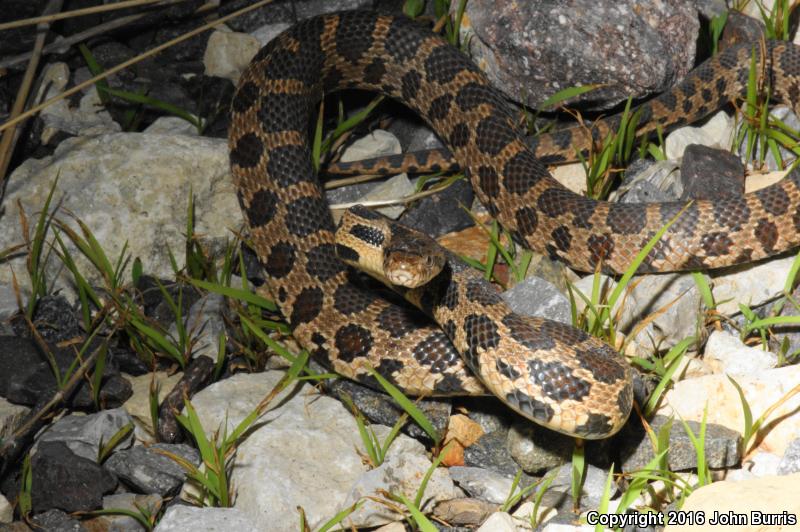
(554, 374)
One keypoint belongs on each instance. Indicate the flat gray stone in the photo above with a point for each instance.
(83, 434)
(148, 471)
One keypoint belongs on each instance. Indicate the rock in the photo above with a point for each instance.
(572, 176)
(377, 144)
(28, 376)
(85, 434)
(66, 481)
(490, 452)
(499, 522)
(171, 125)
(10, 416)
(138, 406)
(749, 284)
(16, 526)
(301, 428)
(266, 33)
(537, 297)
(674, 297)
(710, 173)
(443, 212)
(763, 389)
(148, 471)
(228, 53)
(790, 463)
(380, 408)
(132, 502)
(180, 518)
(95, 183)
(483, 483)
(787, 334)
(764, 464)
(741, 28)
(659, 181)
(88, 118)
(6, 510)
(403, 467)
(767, 495)
(531, 52)
(8, 306)
(594, 484)
(205, 323)
(463, 511)
(536, 449)
(461, 433)
(716, 133)
(57, 521)
(545, 511)
(725, 353)
(492, 416)
(56, 320)
(721, 449)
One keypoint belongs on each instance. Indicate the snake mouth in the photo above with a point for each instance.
(407, 270)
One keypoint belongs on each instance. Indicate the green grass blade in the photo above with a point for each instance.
(236, 293)
(407, 405)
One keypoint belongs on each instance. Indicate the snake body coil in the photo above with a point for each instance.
(292, 230)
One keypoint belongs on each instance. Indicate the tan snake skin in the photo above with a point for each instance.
(292, 230)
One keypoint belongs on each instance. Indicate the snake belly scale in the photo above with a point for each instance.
(293, 234)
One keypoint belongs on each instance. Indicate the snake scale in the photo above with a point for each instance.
(564, 380)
